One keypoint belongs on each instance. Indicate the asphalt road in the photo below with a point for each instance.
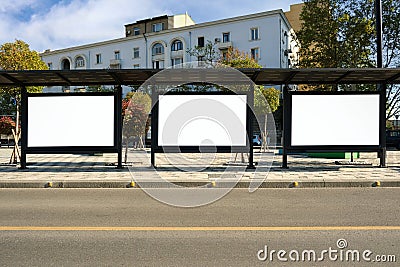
(83, 227)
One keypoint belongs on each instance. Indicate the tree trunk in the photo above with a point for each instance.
(264, 135)
(141, 143)
(14, 153)
(126, 150)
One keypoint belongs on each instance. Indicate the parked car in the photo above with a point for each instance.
(257, 140)
(393, 138)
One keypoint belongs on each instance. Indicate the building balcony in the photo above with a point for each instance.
(225, 45)
(158, 56)
(178, 53)
(115, 62)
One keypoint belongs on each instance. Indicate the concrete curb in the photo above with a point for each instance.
(244, 184)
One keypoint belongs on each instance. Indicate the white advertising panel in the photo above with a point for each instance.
(337, 120)
(202, 120)
(65, 121)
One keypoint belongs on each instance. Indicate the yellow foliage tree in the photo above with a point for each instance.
(17, 56)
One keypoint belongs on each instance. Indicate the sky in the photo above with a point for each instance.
(56, 24)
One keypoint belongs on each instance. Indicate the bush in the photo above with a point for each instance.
(6, 125)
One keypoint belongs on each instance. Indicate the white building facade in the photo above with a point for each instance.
(163, 42)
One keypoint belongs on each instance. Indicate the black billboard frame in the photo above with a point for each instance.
(155, 148)
(287, 125)
(116, 148)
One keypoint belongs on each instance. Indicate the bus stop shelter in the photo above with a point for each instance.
(127, 77)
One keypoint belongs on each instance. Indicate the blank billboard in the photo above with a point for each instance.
(335, 120)
(202, 120)
(69, 121)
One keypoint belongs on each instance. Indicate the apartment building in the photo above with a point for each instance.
(162, 42)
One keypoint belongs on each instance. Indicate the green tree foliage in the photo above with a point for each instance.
(135, 118)
(334, 35)
(391, 51)
(271, 94)
(140, 99)
(342, 34)
(17, 56)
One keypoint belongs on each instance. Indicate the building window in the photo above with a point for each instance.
(226, 37)
(255, 53)
(50, 66)
(176, 61)
(177, 45)
(254, 34)
(79, 62)
(136, 66)
(158, 49)
(98, 59)
(158, 64)
(200, 42)
(136, 52)
(117, 55)
(65, 64)
(136, 31)
(158, 27)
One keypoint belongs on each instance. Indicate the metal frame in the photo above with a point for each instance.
(287, 122)
(155, 148)
(116, 148)
(128, 77)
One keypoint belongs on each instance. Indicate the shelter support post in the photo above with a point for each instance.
(119, 123)
(154, 127)
(250, 116)
(382, 126)
(381, 87)
(285, 133)
(24, 120)
(153, 159)
(284, 159)
(382, 158)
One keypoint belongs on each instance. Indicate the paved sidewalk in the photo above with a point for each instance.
(99, 171)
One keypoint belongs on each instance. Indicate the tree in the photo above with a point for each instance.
(333, 35)
(17, 56)
(238, 59)
(133, 126)
(341, 33)
(266, 100)
(391, 51)
(140, 98)
(390, 42)
(136, 108)
(207, 53)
